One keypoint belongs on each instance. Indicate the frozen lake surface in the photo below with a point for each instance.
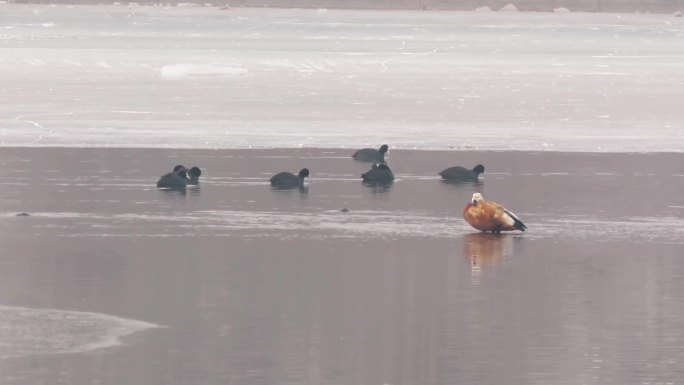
(262, 78)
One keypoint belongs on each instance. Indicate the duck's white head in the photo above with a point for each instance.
(477, 197)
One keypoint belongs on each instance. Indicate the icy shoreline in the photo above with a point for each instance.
(585, 144)
(109, 76)
(601, 6)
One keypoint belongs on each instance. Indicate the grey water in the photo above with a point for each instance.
(110, 280)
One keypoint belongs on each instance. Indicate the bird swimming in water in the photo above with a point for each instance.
(289, 180)
(462, 174)
(371, 154)
(490, 216)
(379, 173)
(174, 180)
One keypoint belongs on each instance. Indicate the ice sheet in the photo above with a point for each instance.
(259, 78)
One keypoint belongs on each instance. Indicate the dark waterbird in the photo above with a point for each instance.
(371, 154)
(174, 180)
(191, 176)
(289, 180)
(462, 174)
(379, 173)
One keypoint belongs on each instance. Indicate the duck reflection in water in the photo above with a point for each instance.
(483, 249)
(174, 192)
(287, 190)
(457, 183)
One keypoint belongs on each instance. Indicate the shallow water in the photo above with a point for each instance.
(258, 286)
(266, 78)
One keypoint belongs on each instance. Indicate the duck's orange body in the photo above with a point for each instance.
(490, 216)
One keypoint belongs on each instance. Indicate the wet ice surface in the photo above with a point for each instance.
(261, 286)
(254, 78)
(316, 211)
(363, 224)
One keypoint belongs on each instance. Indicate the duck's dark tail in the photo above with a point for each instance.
(518, 225)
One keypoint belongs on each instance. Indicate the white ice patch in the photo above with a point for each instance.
(187, 70)
(34, 62)
(509, 8)
(73, 63)
(27, 331)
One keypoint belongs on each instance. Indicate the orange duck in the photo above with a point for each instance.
(490, 216)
